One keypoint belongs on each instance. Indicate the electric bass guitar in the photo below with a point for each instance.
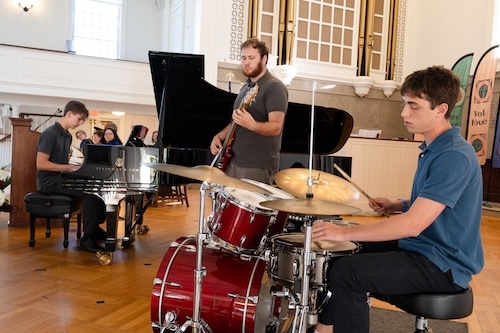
(226, 150)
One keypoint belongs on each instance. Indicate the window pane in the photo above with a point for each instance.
(97, 27)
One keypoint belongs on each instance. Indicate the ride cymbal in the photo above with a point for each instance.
(310, 206)
(206, 173)
(325, 186)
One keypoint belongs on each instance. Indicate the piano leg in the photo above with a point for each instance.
(148, 198)
(130, 214)
(111, 227)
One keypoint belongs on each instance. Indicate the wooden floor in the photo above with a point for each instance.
(51, 289)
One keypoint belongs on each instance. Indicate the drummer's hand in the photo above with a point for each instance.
(216, 145)
(382, 205)
(327, 231)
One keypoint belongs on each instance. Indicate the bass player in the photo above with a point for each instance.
(249, 146)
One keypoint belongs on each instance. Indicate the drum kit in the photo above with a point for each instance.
(254, 277)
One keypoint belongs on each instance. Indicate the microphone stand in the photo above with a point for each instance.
(46, 120)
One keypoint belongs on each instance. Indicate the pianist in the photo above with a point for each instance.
(257, 138)
(52, 156)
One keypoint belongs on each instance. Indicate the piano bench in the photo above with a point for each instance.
(51, 206)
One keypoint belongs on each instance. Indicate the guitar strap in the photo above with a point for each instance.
(249, 85)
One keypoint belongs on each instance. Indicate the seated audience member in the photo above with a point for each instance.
(97, 136)
(111, 138)
(82, 136)
(136, 138)
(53, 149)
(154, 138)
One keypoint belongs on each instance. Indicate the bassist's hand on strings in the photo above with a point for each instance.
(243, 118)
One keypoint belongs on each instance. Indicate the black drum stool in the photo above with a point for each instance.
(433, 306)
(51, 206)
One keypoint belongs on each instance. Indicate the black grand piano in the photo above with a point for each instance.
(116, 174)
(191, 111)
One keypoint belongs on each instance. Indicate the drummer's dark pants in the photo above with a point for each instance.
(381, 269)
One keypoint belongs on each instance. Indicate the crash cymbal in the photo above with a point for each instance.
(206, 173)
(325, 186)
(310, 206)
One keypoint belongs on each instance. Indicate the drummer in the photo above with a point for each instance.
(435, 244)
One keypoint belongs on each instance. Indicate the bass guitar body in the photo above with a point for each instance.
(227, 155)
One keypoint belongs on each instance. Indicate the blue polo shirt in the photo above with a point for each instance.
(448, 172)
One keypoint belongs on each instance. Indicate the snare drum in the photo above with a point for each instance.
(239, 223)
(286, 258)
(236, 293)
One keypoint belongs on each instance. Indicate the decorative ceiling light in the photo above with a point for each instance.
(118, 113)
(26, 5)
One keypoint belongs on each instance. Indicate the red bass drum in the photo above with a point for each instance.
(235, 291)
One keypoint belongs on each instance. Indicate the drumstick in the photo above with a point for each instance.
(346, 176)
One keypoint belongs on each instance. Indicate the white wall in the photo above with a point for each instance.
(47, 26)
(441, 32)
(143, 31)
(44, 26)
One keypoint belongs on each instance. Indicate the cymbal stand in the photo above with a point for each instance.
(198, 324)
(302, 310)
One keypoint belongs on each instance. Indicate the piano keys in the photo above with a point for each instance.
(116, 174)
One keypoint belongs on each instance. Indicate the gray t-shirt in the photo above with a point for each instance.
(56, 142)
(253, 150)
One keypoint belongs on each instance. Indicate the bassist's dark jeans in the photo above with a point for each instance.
(379, 268)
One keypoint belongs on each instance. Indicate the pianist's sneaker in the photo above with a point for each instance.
(89, 244)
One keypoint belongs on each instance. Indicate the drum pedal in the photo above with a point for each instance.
(272, 324)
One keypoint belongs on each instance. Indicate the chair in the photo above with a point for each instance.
(433, 306)
(172, 192)
(51, 206)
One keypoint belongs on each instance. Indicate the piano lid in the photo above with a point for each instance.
(191, 110)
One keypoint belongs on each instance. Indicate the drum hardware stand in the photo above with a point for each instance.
(302, 310)
(196, 323)
(213, 197)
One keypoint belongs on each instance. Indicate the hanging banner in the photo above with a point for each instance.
(495, 155)
(462, 70)
(480, 103)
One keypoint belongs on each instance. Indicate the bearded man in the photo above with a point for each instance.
(249, 146)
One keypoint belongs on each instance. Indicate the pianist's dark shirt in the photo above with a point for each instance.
(55, 142)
